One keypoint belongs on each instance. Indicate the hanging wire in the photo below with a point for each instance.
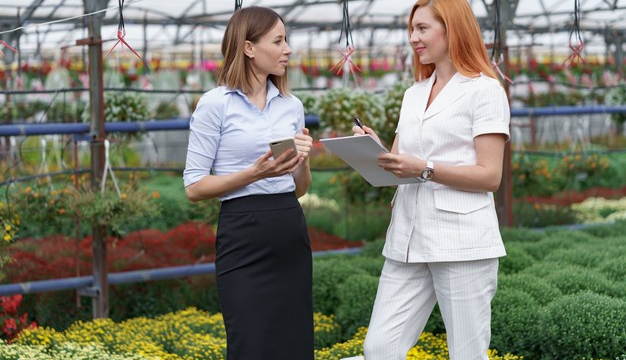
(121, 32)
(238, 4)
(25, 27)
(346, 53)
(345, 26)
(575, 37)
(496, 50)
(497, 54)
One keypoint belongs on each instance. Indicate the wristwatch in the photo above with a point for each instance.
(429, 171)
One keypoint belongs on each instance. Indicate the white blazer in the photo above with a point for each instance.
(431, 222)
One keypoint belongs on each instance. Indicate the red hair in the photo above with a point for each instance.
(465, 43)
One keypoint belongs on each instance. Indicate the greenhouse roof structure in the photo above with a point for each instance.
(165, 24)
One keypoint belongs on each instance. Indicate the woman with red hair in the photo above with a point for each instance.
(443, 242)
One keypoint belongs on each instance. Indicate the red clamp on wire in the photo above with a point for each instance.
(7, 45)
(120, 36)
(496, 67)
(346, 59)
(575, 55)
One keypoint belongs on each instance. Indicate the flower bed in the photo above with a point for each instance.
(189, 243)
(185, 335)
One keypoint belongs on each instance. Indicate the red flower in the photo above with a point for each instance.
(10, 303)
(9, 326)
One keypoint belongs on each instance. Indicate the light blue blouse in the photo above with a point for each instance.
(229, 133)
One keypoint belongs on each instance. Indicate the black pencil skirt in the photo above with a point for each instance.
(264, 278)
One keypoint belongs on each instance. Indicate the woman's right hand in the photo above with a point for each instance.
(365, 131)
(266, 168)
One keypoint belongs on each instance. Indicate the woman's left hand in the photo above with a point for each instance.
(304, 143)
(402, 165)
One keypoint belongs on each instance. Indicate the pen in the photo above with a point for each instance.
(358, 123)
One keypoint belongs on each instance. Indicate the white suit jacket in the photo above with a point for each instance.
(431, 222)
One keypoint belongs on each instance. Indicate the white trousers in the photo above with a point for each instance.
(407, 293)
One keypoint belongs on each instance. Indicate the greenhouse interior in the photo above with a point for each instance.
(103, 255)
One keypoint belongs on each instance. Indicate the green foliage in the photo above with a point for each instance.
(516, 260)
(513, 322)
(583, 325)
(606, 230)
(539, 215)
(337, 107)
(572, 280)
(615, 269)
(556, 240)
(20, 110)
(116, 212)
(587, 255)
(356, 297)
(309, 102)
(328, 274)
(392, 102)
(358, 191)
(67, 111)
(166, 110)
(617, 97)
(540, 290)
(373, 248)
(533, 177)
(510, 235)
(125, 106)
(44, 206)
(583, 171)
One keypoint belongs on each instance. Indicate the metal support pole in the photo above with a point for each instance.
(504, 196)
(96, 102)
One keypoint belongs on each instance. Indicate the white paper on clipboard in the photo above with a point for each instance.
(361, 153)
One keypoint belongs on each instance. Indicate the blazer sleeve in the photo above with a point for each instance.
(492, 114)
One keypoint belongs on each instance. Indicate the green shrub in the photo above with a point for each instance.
(573, 280)
(588, 256)
(516, 260)
(356, 298)
(521, 235)
(583, 325)
(606, 230)
(614, 269)
(537, 215)
(328, 274)
(542, 269)
(556, 240)
(540, 290)
(373, 248)
(370, 265)
(513, 318)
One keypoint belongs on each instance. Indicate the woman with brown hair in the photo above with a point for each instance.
(443, 242)
(263, 265)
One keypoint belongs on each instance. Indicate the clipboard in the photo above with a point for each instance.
(361, 153)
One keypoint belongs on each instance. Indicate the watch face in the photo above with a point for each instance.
(428, 174)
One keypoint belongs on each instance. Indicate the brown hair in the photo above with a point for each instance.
(249, 24)
(465, 43)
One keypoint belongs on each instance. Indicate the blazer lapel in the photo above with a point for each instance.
(422, 98)
(454, 89)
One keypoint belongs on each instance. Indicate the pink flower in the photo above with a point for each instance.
(586, 80)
